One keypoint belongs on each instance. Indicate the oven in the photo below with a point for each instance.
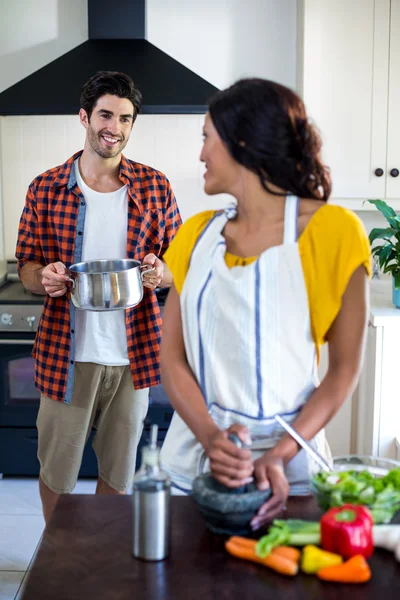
(19, 399)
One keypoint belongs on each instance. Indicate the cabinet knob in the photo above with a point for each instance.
(379, 172)
(394, 172)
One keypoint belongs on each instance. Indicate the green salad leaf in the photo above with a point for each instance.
(381, 495)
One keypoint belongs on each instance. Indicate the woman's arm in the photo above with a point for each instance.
(229, 464)
(346, 341)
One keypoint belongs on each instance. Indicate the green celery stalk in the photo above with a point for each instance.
(292, 532)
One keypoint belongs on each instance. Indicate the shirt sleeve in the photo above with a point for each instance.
(28, 245)
(173, 220)
(331, 250)
(179, 252)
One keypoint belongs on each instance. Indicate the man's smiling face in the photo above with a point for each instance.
(109, 126)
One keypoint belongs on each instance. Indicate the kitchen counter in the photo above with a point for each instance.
(382, 309)
(86, 552)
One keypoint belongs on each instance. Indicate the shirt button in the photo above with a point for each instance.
(72, 362)
(79, 232)
(82, 203)
(72, 330)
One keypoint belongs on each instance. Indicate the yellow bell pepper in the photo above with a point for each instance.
(313, 559)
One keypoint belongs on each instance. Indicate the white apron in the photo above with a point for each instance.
(248, 342)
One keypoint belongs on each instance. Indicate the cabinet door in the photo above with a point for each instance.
(393, 153)
(367, 397)
(389, 416)
(345, 87)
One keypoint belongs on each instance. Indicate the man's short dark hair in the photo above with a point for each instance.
(110, 82)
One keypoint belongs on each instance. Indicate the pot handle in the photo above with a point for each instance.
(72, 281)
(148, 269)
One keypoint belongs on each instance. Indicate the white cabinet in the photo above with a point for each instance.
(376, 401)
(338, 431)
(349, 76)
(393, 130)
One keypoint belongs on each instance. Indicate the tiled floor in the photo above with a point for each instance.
(21, 527)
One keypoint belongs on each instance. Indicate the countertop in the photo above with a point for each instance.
(382, 310)
(86, 552)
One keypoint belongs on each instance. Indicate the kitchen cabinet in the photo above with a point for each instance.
(338, 430)
(376, 401)
(348, 75)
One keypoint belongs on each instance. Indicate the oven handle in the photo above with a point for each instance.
(10, 341)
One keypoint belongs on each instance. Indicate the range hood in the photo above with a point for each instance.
(116, 43)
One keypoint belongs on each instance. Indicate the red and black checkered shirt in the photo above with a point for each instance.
(47, 234)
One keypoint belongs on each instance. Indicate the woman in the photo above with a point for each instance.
(258, 288)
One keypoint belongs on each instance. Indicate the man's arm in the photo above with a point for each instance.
(31, 277)
(162, 276)
(166, 279)
(50, 279)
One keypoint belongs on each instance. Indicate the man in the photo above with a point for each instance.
(95, 367)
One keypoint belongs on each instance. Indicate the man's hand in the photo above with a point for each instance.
(153, 279)
(269, 472)
(54, 279)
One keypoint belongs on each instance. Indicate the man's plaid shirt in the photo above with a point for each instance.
(51, 230)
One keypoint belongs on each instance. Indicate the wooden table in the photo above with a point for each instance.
(86, 554)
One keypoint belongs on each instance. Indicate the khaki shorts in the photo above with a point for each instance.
(103, 396)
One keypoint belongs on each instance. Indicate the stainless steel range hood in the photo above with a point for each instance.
(116, 43)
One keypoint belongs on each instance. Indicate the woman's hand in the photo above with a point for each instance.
(269, 472)
(230, 465)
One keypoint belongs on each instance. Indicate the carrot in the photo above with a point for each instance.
(243, 541)
(275, 562)
(354, 570)
(288, 552)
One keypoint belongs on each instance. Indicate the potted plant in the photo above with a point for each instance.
(388, 253)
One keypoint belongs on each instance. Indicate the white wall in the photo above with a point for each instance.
(223, 40)
(35, 32)
(32, 144)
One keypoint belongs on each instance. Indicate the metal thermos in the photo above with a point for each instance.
(151, 505)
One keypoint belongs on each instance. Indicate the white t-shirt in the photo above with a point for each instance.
(101, 336)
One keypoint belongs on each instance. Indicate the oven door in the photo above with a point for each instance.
(19, 398)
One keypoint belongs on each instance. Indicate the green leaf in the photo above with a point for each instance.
(387, 212)
(376, 250)
(386, 255)
(391, 268)
(382, 233)
(396, 276)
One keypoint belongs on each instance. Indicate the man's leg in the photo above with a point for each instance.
(119, 428)
(49, 499)
(63, 430)
(103, 488)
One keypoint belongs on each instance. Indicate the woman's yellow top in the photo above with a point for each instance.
(332, 246)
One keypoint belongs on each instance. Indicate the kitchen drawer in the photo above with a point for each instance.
(18, 453)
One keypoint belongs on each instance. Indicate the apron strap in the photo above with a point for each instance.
(291, 213)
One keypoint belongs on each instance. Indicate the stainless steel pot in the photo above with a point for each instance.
(103, 285)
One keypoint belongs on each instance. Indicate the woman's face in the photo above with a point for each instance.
(221, 169)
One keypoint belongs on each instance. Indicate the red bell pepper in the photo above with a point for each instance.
(347, 530)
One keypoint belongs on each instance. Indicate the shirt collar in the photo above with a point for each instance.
(65, 174)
